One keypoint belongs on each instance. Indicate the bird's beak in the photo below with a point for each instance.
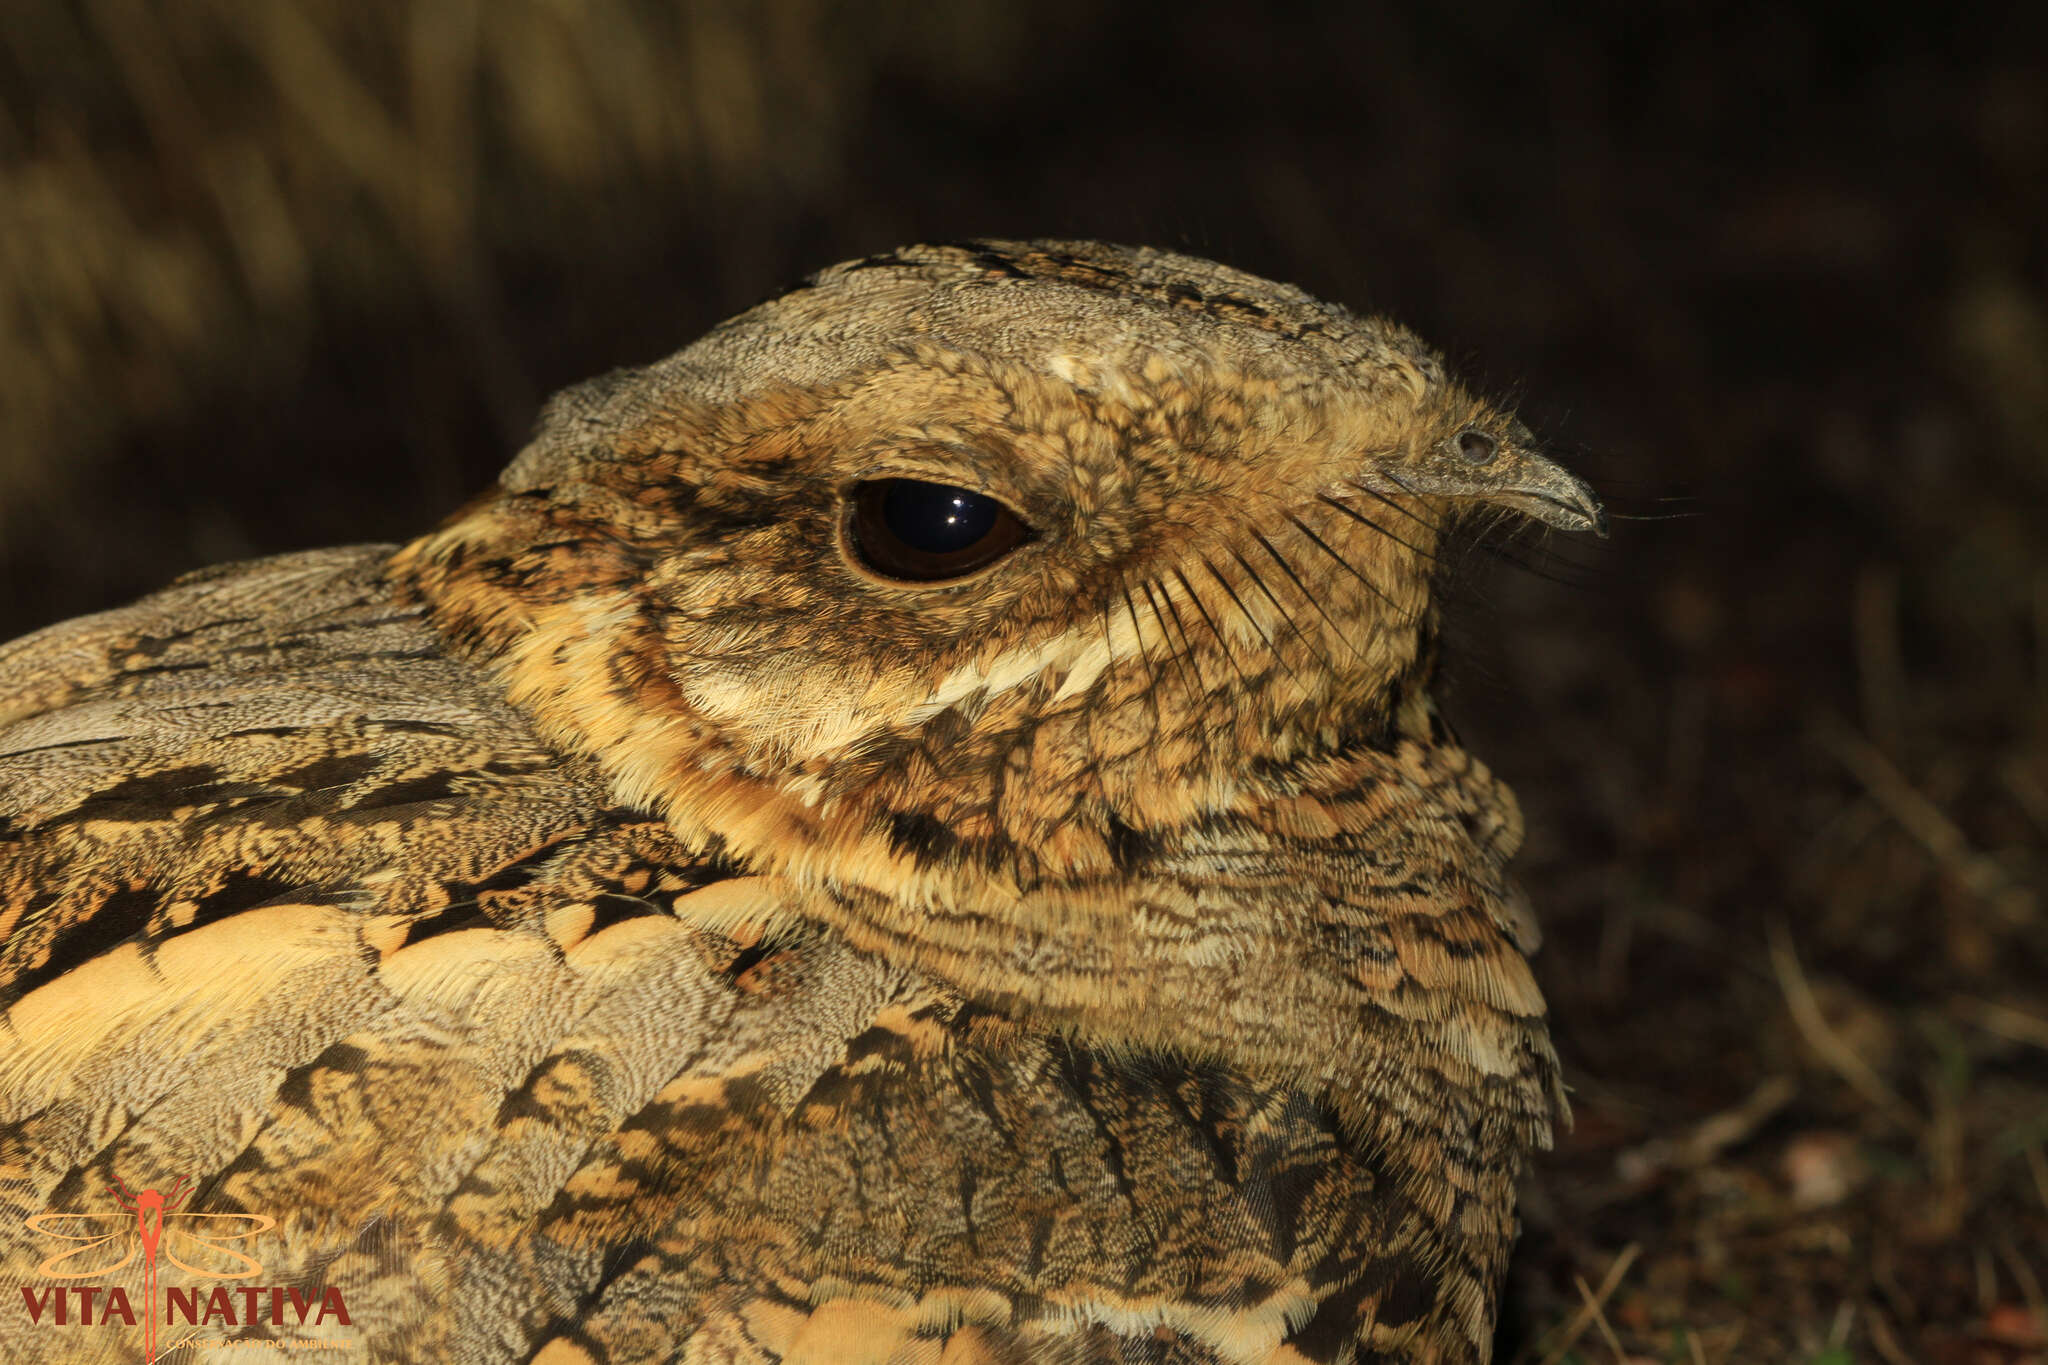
(1544, 490)
(1523, 480)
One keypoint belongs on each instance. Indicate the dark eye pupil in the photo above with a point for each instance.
(1476, 446)
(920, 532)
(934, 518)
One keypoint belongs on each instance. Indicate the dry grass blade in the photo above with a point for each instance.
(1594, 1307)
(1708, 1138)
(2030, 1283)
(1944, 841)
(1885, 1341)
(2006, 1021)
(1838, 1331)
(1813, 1026)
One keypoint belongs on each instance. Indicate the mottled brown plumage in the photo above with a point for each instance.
(620, 926)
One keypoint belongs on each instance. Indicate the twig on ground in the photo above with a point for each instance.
(2024, 1276)
(2004, 1020)
(2038, 1164)
(1942, 1140)
(1885, 1341)
(1838, 1332)
(1944, 841)
(1825, 1041)
(1593, 1306)
(1708, 1138)
(1884, 1274)
(1580, 1321)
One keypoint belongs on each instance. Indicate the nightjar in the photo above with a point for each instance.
(913, 830)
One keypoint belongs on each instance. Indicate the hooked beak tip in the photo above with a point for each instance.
(1558, 499)
(1583, 513)
(1539, 489)
(1568, 505)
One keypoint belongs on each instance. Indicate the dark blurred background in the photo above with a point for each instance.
(281, 275)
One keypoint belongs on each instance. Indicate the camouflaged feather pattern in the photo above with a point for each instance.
(616, 927)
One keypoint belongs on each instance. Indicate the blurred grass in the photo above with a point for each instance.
(200, 200)
(283, 275)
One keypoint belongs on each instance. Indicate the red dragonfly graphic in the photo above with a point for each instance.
(150, 1222)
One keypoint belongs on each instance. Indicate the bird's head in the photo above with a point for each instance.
(1000, 556)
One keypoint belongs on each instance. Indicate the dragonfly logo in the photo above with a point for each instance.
(201, 1247)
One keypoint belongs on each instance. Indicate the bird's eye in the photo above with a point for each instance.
(929, 532)
(1477, 447)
